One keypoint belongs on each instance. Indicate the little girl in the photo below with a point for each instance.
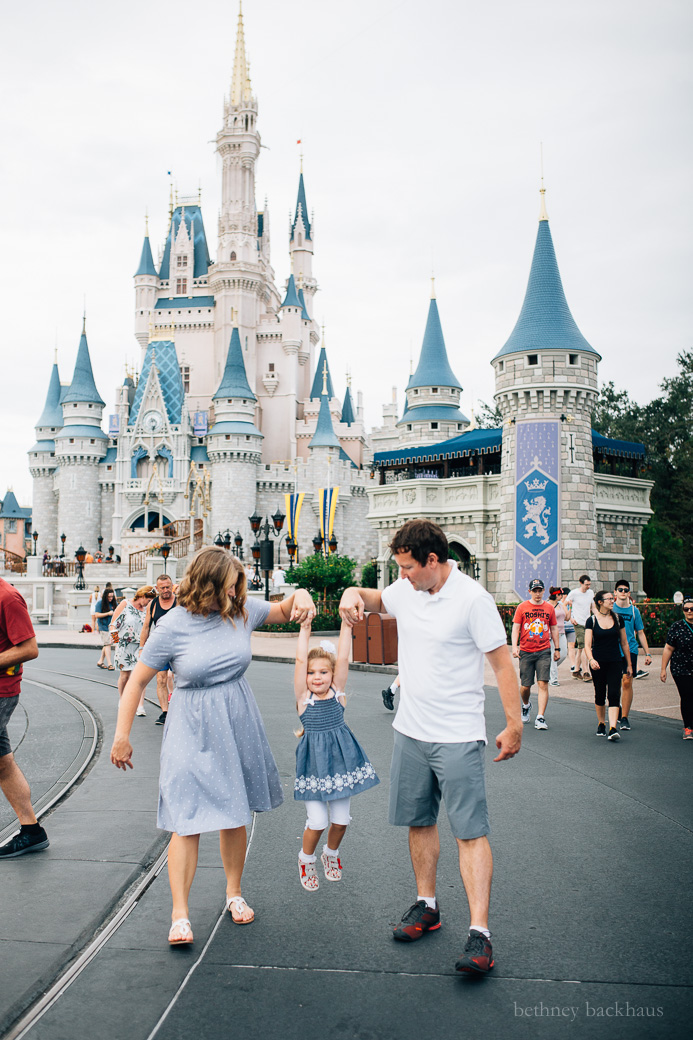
(331, 765)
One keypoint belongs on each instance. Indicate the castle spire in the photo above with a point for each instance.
(52, 414)
(545, 321)
(82, 388)
(324, 436)
(234, 382)
(433, 368)
(301, 209)
(240, 81)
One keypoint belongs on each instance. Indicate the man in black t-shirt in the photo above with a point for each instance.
(165, 601)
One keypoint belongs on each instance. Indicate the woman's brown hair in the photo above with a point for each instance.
(205, 583)
(145, 592)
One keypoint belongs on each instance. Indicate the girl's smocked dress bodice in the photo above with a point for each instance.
(330, 762)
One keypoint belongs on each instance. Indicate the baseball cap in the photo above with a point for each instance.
(535, 584)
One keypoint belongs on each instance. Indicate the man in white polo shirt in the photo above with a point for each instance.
(446, 623)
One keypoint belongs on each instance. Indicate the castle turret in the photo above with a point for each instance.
(146, 285)
(433, 392)
(79, 447)
(301, 242)
(42, 466)
(546, 389)
(234, 446)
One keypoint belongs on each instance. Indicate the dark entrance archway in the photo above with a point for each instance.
(458, 552)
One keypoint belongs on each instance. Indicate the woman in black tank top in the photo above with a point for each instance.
(605, 637)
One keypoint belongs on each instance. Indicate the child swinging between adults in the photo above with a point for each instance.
(446, 623)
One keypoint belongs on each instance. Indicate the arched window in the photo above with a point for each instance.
(233, 255)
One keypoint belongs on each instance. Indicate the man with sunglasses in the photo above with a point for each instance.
(634, 631)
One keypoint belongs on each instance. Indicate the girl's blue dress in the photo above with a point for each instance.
(330, 762)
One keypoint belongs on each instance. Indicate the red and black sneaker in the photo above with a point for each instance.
(418, 919)
(477, 958)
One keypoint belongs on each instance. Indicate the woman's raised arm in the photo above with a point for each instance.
(301, 666)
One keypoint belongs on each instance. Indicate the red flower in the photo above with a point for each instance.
(653, 615)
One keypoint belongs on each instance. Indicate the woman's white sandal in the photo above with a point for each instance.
(182, 927)
(239, 904)
(308, 876)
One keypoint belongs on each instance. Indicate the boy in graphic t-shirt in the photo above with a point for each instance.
(535, 628)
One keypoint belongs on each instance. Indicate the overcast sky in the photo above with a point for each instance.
(421, 126)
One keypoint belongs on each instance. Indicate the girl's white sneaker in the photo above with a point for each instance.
(332, 865)
(308, 876)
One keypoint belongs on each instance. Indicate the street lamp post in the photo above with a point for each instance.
(317, 544)
(100, 541)
(264, 550)
(34, 535)
(81, 555)
(291, 548)
(165, 551)
(62, 539)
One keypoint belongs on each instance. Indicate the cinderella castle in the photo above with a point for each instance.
(234, 407)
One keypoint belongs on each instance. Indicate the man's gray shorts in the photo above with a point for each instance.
(422, 772)
(7, 706)
(538, 663)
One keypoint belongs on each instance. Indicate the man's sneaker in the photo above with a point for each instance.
(332, 865)
(308, 876)
(586, 677)
(601, 730)
(526, 711)
(24, 842)
(161, 721)
(477, 958)
(418, 919)
(688, 734)
(613, 734)
(641, 674)
(577, 674)
(625, 724)
(554, 682)
(388, 699)
(141, 713)
(540, 722)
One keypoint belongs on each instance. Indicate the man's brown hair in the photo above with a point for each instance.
(420, 538)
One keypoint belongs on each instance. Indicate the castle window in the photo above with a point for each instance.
(434, 389)
(532, 359)
(271, 367)
(109, 467)
(11, 526)
(501, 366)
(181, 285)
(72, 440)
(573, 359)
(181, 261)
(459, 426)
(247, 437)
(233, 256)
(228, 436)
(92, 441)
(434, 425)
(185, 376)
(409, 426)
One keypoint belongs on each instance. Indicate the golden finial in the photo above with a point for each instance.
(348, 378)
(433, 287)
(324, 377)
(543, 215)
(146, 224)
(171, 207)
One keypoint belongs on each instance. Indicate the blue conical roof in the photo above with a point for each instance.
(82, 388)
(146, 260)
(52, 414)
(196, 230)
(316, 389)
(324, 436)
(301, 209)
(305, 315)
(234, 382)
(291, 299)
(433, 368)
(545, 321)
(348, 408)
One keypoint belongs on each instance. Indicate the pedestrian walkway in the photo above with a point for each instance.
(590, 914)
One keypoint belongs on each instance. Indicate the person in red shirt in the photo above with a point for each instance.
(535, 627)
(17, 644)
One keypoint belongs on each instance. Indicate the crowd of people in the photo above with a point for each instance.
(217, 767)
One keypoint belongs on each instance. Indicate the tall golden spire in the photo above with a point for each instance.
(240, 81)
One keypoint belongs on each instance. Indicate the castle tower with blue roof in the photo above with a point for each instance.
(80, 446)
(42, 465)
(546, 391)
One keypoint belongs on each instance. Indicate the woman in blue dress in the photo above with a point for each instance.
(331, 765)
(216, 764)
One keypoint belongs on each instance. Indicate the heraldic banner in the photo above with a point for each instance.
(327, 502)
(293, 505)
(537, 504)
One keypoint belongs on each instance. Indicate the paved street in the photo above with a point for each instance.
(591, 913)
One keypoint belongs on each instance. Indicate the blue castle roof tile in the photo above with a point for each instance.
(11, 509)
(178, 303)
(304, 315)
(301, 210)
(545, 321)
(146, 264)
(52, 414)
(316, 388)
(324, 436)
(348, 409)
(433, 368)
(291, 299)
(82, 389)
(234, 381)
(433, 412)
(196, 230)
(166, 360)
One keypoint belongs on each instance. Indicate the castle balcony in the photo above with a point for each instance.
(136, 489)
(622, 499)
(474, 499)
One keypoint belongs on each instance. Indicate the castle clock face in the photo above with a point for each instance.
(153, 421)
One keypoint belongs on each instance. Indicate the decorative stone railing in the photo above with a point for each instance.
(423, 496)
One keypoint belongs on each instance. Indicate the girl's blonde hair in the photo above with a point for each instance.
(206, 579)
(317, 654)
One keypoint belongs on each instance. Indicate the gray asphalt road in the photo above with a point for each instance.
(591, 911)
